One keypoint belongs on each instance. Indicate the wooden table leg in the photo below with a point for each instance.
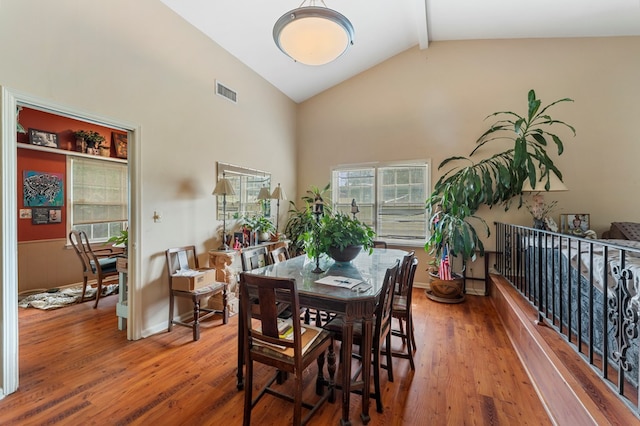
(367, 344)
(347, 348)
(240, 373)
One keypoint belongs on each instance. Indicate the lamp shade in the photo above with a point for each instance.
(555, 184)
(278, 193)
(313, 35)
(264, 193)
(223, 187)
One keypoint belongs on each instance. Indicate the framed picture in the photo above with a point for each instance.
(574, 223)
(43, 189)
(120, 144)
(43, 138)
(44, 215)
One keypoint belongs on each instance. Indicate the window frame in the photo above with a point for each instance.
(373, 220)
(113, 226)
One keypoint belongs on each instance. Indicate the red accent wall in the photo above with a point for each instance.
(30, 160)
(40, 162)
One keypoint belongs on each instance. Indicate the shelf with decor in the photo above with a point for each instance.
(68, 152)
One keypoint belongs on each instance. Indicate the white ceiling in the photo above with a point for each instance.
(384, 28)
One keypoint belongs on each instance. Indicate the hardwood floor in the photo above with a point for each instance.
(77, 368)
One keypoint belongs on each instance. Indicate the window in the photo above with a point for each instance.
(391, 199)
(246, 184)
(99, 194)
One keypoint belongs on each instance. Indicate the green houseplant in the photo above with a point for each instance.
(496, 180)
(122, 239)
(302, 220)
(261, 225)
(339, 236)
(90, 141)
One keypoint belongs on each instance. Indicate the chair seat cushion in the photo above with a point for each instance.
(107, 264)
(216, 287)
(319, 336)
(400, 304)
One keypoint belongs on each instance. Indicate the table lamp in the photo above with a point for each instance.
(263, 196)
(224, 188)
(278, 194)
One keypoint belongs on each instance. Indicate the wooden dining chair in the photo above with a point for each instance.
(96, 264)
(254, 258)
(405, 265)
(278, 255)
(269, 340)
(379, 244)
(186, 258)
(381, 333)
(402, 312)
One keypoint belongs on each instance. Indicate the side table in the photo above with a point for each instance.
(122, 308)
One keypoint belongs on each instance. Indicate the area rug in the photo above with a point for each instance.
(64, 297)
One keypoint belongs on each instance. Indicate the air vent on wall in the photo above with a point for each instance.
(225, 92)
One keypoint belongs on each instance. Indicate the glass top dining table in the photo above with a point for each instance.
(354, 304)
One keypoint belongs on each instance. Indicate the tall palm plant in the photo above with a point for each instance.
(496, 180)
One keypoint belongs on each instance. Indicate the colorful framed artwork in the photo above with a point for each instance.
(574, 223)
(43, 189)
(43, 138)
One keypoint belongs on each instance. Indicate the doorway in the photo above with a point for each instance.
(10, 100)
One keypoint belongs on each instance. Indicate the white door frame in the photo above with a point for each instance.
(9, 99)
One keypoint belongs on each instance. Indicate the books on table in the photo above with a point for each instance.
(308, 334)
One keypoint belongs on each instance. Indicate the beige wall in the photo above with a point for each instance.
(432, 103)
(138, 62)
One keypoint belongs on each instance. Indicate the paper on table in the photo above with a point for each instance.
(339, 281)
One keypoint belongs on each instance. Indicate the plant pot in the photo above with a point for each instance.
(105, 151)
(264, 236)
(345, 255)
(81, 145)
(446, 291)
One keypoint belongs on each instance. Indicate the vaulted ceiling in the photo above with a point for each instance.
(384, 28)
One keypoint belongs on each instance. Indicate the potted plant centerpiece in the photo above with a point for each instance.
(339, 236)
(496, 180)
(89, 141)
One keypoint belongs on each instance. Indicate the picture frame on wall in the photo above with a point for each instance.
(574, 223)
(120, 144)
(45, 215)
(43, 138)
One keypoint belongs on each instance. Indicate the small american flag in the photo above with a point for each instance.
(445, 267)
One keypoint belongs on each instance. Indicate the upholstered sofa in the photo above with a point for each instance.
(623, 231)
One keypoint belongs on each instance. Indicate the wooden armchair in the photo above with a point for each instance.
(97, 264)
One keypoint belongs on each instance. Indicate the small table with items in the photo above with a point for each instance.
(357, 304)
(122, 309)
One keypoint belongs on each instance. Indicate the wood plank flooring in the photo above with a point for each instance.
(77, 368)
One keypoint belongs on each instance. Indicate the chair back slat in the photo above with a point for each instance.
(409, 281)
(278, 255)
(80, 243)
(254, 258)
(403, 273)
(385, 303)
(181, 258)
(270, 292)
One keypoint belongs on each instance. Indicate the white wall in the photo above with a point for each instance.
(138, 62)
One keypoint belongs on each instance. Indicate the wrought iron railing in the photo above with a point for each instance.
(587, 290)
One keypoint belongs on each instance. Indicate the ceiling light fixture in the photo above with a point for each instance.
(313, 35)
